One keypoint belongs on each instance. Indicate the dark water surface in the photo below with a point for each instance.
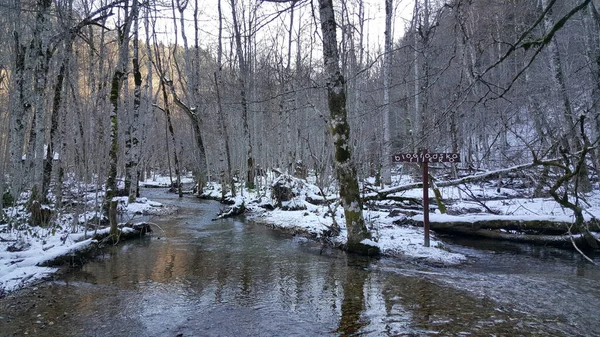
(199, 277)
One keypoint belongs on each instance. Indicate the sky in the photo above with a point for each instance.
(208, 17)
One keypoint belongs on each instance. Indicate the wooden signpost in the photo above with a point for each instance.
(425, 158)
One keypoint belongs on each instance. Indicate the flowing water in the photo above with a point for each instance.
(197, 277)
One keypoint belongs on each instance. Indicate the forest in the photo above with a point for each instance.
(107, 93)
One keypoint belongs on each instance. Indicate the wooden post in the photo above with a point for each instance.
(425, 157)
(112, 218)
(426, 199)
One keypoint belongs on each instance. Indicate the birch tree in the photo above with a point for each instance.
(132, 134)
(387, 65)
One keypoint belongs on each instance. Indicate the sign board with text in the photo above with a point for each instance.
(426, 158)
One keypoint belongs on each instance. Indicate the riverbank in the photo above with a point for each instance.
(24, 250)
(396, 227)
(300, 217)
(28, 254)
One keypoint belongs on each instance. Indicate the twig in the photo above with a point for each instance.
(577, 248)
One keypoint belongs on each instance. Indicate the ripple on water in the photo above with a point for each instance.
(227, 278)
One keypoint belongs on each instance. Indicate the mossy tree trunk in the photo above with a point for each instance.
(115, 92)
(340, 129)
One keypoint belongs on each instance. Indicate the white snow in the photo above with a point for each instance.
(392, 240)
(408, 241)
(165, 181)
(22, 268)
(19, 269)
(38, 245)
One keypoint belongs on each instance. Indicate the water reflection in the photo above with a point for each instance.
(353, 303)
(227, 278)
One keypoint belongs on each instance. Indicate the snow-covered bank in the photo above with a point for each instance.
(25, 250)
(159, 181)
(392, 224)
(392, 239)
(305, 218)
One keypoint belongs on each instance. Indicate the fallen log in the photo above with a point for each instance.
(563, 240)
(232, 211)
(541, 232)
(524, 226)
(83, 252)
(384, 193)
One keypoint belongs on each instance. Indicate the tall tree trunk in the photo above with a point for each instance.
(222, 117)
(132, 135)
(41, 54)
(31, 67)
(192, 74)
(202, 161)
(54, 119)
(20, 113)
(243, 79)
(115, 92)
(575, 142)
(149, 89)
(345, 170)
(167, 111)
(386, 173)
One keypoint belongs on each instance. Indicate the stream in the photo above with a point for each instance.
(197, 277)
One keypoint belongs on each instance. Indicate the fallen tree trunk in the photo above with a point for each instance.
(232, 211)
(384, 193)
(541, 232)
(79, 255)
(524, 226)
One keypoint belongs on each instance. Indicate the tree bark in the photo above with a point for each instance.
(243, 79)
(575, 142)
(167, 111)
(340, 130)
(41, 54)
(132, 141)
(115, 92)
(387, 115)
(54, 119)
(112, 219)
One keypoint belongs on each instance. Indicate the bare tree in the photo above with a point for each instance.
(243, 82)
(119, 75)
(221, 112)
(387, 65)
(132, 133)
(345, 170)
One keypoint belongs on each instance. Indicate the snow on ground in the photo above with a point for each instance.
(407, 241)
(24, 249)
(36, 245)
(21, 268)
(165, 181)
(392, 240)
